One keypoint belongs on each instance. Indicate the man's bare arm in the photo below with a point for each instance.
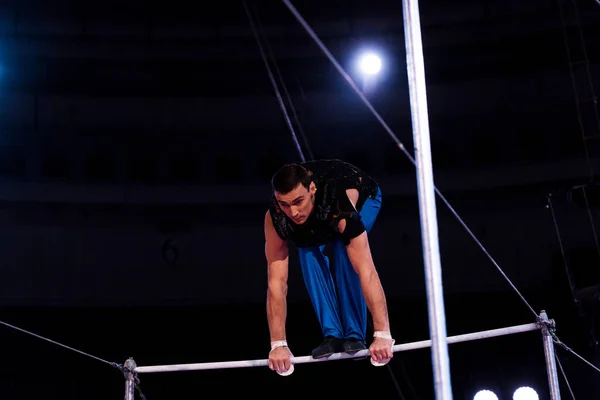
(359, 254)
(361, 259)
(276, 252)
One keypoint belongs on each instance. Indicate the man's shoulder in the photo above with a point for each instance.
(273, 214)
(275, 217)
(268, 215)
(273, 210)
(270, 220)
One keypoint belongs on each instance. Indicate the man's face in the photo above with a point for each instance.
(299, 203)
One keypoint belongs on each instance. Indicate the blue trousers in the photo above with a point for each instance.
(340, 306)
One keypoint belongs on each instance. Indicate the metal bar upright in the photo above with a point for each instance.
(429, 228)
(130, 367)
(547, 330)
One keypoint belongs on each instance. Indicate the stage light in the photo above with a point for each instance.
(370, 64)
(485, 395)
(525, 393)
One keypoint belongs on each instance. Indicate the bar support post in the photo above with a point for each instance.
(130, 377)
(548, 327)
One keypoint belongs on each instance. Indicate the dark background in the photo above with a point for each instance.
(138, 139)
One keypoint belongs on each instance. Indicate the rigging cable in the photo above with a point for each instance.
(399, 144)
(284, 86)
(561, 246)
(112, 364)
(286, 116)
(585, 136)
(590, 83)
(118, 366)
(591, 218)
(564, 376)
(390, 132)
(575, 91)
(275, 87)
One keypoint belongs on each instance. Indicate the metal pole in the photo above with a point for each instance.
(427, 208)
(547, 329)
(130, 379)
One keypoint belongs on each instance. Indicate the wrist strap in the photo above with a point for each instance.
(382, 334)
(278, 343)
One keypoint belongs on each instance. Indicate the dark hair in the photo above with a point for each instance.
(288, 177)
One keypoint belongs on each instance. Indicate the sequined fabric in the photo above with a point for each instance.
(332, 178)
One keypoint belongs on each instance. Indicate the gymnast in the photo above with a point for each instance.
(317, 204)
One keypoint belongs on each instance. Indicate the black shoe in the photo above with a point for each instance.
(329, 346)
(352, 346)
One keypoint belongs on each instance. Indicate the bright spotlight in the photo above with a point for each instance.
(525, 393)
(370, 64)
(485, 395)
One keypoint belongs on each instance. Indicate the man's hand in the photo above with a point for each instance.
(279, 359)
(381, 350)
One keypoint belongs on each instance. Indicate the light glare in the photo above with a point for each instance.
(525, 393)
(485, 395)
(370, 64)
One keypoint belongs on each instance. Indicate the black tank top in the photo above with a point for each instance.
(332, 178)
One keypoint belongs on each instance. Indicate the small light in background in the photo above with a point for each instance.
(525, 393)
(485, 395)
(370, 64)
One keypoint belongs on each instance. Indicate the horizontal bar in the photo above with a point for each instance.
(472, 336)
(339, 356)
